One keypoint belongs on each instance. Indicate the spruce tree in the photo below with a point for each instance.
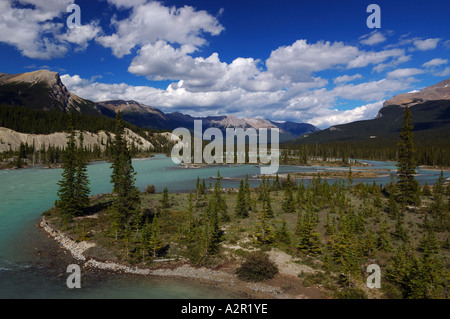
(248, 197)
(406, 166)
(67, 201)
(126, 201)
(264, 231)
(82, 190)
(282, 234)
(165, 202)
(288, 201)
(241, 204)
(383, 241)
(218, 202)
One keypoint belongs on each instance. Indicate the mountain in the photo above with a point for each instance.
(149, 117)
(430, 110)
(41, 90)
(439, 91)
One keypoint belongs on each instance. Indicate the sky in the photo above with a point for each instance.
(315, 62)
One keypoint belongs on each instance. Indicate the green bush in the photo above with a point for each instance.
(351, 293)
(150, 189)
(257, 267)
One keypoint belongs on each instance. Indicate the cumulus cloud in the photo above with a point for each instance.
(402, 73)
(445, 72)
(152, 22)
(346, 78)
(32, 27)
(372, 38)
(435, 62)
(300, 59)
(427, 44)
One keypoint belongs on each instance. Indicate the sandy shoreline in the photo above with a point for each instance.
(272, 289)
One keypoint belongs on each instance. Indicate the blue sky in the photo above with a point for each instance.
(304, 61)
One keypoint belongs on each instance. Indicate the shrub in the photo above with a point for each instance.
(257, 267)
(351, 293)
(150, 189)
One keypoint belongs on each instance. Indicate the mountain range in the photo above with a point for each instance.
(44, 90)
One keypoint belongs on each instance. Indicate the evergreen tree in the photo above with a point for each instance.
(153, 237)
(309, 240)
(282, 235)
(288, 201)
(264, 231)
(126, 202)
(248, 197)
(82, 190)
(406, 166)
(241, 204)
(426, 191)
(211, 234)
(219, 205)
(276, 183)
(67, 201)
(383, 242)
(165, 202)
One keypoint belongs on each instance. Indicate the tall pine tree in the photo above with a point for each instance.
(126, 201)
(406, 167)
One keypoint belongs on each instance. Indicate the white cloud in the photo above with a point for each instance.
(427, 44)
(435, 62)
(402, 73)
(300, 59)
(445, 72)
(81, 35)
(364, 112)
(366, 58)
(151, 22)
(35, 31)
(373, 38)
(346, 78)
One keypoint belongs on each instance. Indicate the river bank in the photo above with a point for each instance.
(285, 285)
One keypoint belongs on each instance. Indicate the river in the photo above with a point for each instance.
(28, 270)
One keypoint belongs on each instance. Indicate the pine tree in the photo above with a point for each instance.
(165, 202)
(276, 183)
(248, 197)
(309, 240)
(211, 234)
(241, 204)
(267, 202)
(383, 241)
(218, 202)
(406, 166)
(126, 202)
(282, 235)
(426, 191)
(288, 201)
(67, 201)
(82, 190)
(429, 244)
(153, 239)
